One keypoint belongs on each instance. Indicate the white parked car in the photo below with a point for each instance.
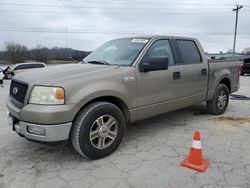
(20, 67)
(1, 76)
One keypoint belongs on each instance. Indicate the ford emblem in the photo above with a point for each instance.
(15, 90)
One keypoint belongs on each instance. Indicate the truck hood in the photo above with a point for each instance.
(59, 73)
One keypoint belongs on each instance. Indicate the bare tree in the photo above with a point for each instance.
(40, 54)
(246, 51)
(16, 53)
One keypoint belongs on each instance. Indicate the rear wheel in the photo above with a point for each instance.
(98, 130)
(219, 103)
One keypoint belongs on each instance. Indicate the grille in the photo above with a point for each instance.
(18, 90)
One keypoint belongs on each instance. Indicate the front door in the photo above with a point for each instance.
(155, 88)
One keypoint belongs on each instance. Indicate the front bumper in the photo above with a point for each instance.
(42, 133)
(40, 122)
(43, 114)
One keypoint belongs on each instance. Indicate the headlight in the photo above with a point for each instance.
(47, 95)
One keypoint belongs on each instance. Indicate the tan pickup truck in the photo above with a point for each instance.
(123, 81)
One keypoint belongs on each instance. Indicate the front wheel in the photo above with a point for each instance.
(219, 103)
(98, 130)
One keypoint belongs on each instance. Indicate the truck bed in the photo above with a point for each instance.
(218, 69)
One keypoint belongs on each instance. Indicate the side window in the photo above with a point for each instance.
(19, 67)
(40, 66)
(16, 68)
(37, 65)
(28, 66)
(161, 48)
(31, 66)
(189, 52)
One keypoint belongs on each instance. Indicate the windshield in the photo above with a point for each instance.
(120, 52)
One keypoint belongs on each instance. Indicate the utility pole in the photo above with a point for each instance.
(66, 37)
(238, 7)
(66, 42)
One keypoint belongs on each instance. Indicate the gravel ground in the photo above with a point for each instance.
(149, 156)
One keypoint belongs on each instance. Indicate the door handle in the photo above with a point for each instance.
(203, 72)
(176, 75)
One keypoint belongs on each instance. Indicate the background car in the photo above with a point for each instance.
(20, 67)
(1, 76)
(245, 68)
(8, 72)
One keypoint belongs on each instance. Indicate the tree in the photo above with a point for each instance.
(40, 54)
(246, 51)
(16, 53)
(79, 55)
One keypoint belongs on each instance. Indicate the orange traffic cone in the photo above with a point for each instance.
(194, 160)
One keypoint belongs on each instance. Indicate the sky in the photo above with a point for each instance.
(86, 24)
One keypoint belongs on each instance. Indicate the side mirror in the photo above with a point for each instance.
(154, 64)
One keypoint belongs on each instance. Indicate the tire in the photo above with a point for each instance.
(1, 81)
(242, 73)
(88, 123)
(219, 103)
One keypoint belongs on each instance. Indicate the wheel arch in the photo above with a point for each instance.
(227, 82)
(111, 99)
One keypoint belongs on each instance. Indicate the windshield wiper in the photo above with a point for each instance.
(101, 62)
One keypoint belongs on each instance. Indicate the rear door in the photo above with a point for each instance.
(194, 74)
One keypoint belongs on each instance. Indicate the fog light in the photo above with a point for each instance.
(36, 130)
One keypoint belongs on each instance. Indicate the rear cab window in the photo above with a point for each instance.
(188, 51)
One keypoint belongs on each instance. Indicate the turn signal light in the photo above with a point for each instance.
(59, 94)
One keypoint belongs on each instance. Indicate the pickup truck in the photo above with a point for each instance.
(123, 81)
(245, 68)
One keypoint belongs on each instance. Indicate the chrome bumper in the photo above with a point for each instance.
(50, 133)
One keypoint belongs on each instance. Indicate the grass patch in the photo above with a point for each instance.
(4, 62)
(232, 120)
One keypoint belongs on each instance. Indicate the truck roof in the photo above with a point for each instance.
(163, 36)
